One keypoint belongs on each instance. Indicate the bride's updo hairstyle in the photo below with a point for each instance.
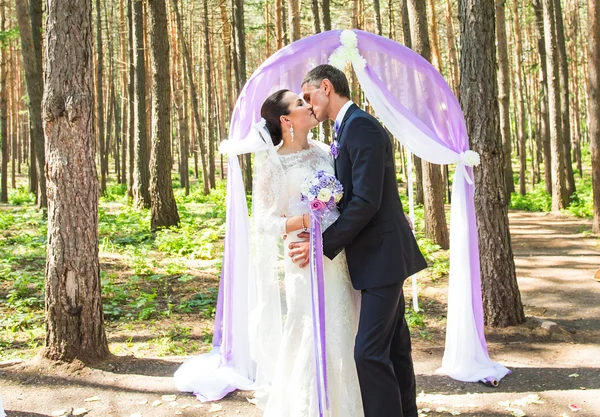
(272, 109)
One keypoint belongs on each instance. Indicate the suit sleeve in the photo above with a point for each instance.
(367, 151)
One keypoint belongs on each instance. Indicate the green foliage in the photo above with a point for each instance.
(537, 200)
(20, 196)
(582, 202)
(7, 36)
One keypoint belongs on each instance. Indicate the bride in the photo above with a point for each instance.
(279, 212)
(283, 348)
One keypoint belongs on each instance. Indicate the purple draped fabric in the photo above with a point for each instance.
(409, 82)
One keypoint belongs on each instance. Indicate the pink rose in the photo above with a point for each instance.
(317, 205)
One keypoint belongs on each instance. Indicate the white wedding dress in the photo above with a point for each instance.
(293, 391)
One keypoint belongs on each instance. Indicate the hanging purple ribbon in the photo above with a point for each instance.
(317, 286)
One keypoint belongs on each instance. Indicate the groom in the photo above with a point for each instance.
(380, 247)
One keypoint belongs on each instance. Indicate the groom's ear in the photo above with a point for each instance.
(327, 87)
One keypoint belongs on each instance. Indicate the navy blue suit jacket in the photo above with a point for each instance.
(380, 246)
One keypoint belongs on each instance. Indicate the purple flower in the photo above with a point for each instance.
(335, 149)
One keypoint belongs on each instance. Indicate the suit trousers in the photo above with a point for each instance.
(383, 354)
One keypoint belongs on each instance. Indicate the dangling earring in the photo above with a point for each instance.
(292, 132)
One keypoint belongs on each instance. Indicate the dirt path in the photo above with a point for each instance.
(555, 261)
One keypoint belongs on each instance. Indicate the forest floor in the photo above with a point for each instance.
(553, 368)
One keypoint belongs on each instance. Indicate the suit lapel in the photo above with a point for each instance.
(349, 112)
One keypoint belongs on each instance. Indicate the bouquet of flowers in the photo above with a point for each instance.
(322, 192)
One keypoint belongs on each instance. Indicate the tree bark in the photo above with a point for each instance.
(560, 198)
(131, 96)
(520, 104)
(74, 318)
(563, 74)
(479, 100)
(504, 97)
(455, 76)
(279, 23)
(377, 8)
(3, 110)
(195, 109)
(99, 98)
(543, 99)
(141, 172)
(164, 207)
(316, 17)
(326, 15)
(124, 93)
(593, 53)
(294, 16)
(35, 87)
(210, 119)
(436, 228)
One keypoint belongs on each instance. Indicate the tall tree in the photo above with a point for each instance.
(479, 101)
(164, 207)
(543, 99)
(124, 92)
(560, 198)
(593, 53)
(316, 17)
(34, 83)
(504, 97)
(294, 16)
(209, 107)
(563, 74)
(520, 102)
(377, 8)
(131, 112)
(141, 171)
(74, 318)
(326, 15)
(195, 110)
(100, 98)
(3, 109)
(433, 186)
(455, 77)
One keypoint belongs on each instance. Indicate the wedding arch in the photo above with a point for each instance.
(414, 102)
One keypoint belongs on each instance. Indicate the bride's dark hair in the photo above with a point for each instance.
(272, 109)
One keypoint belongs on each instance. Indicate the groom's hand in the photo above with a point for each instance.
(300, 251)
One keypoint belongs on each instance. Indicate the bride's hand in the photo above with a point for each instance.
(297, 223)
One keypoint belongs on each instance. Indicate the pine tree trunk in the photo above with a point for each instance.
(141, 172)
(3, 110)
(36, 15)
(563, 74)
(100, 99)
(294, 16)
(316, 17)
(543, 99)
(594, 103)
(560, 198)
(164, 207)
(279, 23)
(455, 76)
(479, 101)
(74, 318)
(504, 97)
(34, 84)
(436, 228)
(195, 109)
(131, 99)
(377, 8)
(124, 95)
(326, 15)
(210, 122)
(520, 102)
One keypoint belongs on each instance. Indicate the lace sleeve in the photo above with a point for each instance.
(267, 200)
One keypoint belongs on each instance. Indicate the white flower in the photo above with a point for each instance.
(337, 59)
(324, 195)
(315, 181)
(311, 197)
(349, 39)
(304, 188)
(470, 158)
(224, 147)
(337, 198)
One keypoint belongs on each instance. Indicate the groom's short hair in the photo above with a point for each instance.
(335, 76)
